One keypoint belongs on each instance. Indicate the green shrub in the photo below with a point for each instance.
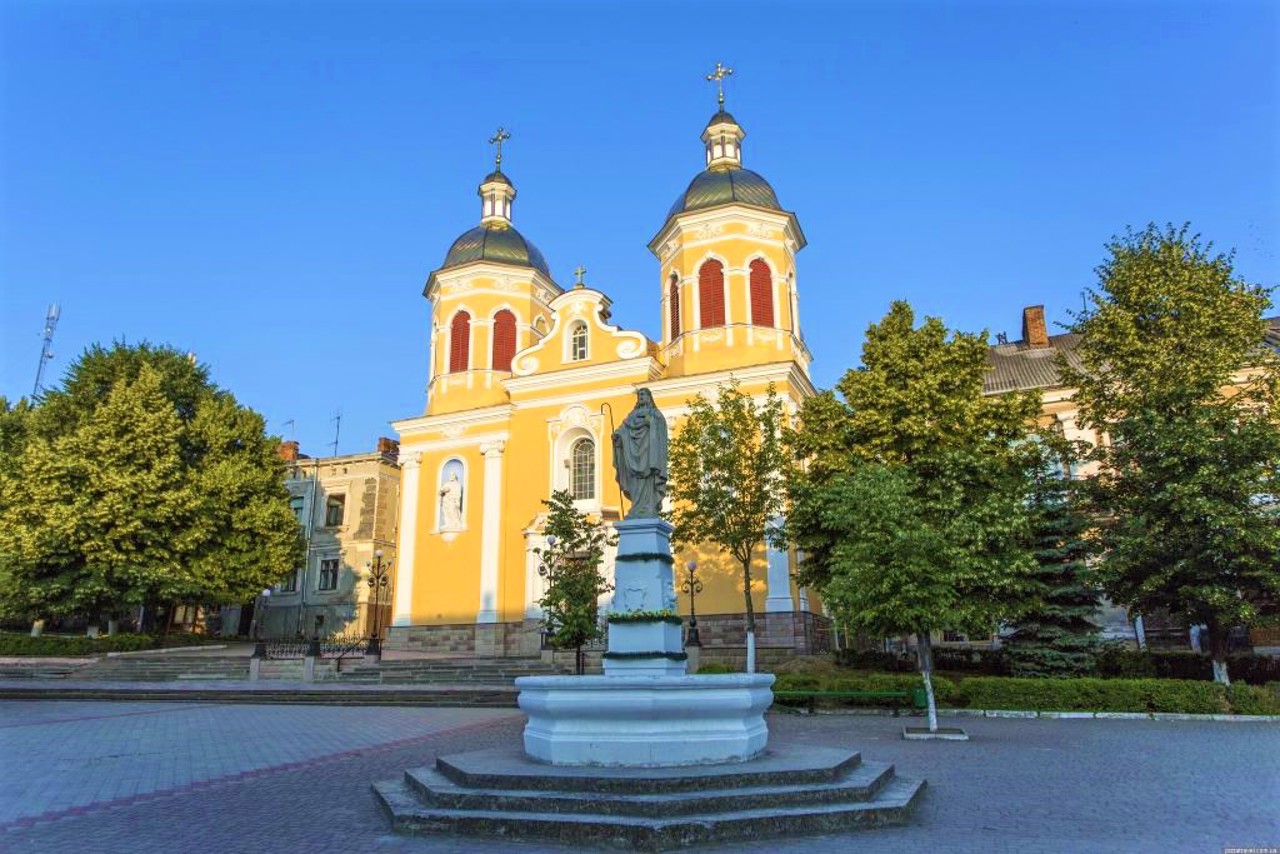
(1096, 695)
(715, 668)
(64, 645)
(1255, 699)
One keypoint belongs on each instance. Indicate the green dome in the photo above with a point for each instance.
(716, 187)
(500, 245)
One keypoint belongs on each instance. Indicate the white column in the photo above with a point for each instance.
(490, 531)
(533, 581)
(410, 466)
(778, 575)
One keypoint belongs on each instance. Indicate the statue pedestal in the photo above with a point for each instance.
(643, 582)
(644, 711)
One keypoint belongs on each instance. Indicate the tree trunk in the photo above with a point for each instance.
(1218, 653)
(924, 651)
(37, 628)
(751, 616)
(113, 626)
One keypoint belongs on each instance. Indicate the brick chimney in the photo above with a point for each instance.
(388, 447)
(289, 451)
(1034, 332)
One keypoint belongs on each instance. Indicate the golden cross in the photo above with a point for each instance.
(580, 272)
(718, 76)
(497, 140)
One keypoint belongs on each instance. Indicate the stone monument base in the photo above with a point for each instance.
(645, 721)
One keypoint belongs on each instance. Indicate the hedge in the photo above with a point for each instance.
(1255, 699)
(1114, 661)
(73, 645)
(943, 688)
(1093, 695)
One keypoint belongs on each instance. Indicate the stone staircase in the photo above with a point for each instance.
(503, 794)
(444, 671)
(165, 668)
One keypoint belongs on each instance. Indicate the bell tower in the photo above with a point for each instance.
(727, 254)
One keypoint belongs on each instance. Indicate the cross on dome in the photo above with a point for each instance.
(578, 273)
(497, 139)
(718, 76)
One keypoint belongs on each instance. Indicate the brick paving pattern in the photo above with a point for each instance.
(159, 777)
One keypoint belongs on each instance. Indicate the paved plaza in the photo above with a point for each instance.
(159, 777)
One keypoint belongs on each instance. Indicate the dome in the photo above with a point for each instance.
(716, 187)
(722, 117)
(500, 245)
(499, 177)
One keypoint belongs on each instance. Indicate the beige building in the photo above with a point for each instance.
(348, 506)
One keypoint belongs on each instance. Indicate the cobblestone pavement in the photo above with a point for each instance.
(160, 777)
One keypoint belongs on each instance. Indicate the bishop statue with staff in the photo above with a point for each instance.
(640, 457)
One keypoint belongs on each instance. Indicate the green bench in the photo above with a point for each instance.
(916, 697)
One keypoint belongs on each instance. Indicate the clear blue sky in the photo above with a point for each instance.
(269, 184)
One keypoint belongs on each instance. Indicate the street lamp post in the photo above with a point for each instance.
(379, 580)
(693, 587)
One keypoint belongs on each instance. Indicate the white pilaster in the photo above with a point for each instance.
(410, 466)
(777, 575)
(490, 531)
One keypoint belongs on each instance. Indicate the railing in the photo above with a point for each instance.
(298, 648)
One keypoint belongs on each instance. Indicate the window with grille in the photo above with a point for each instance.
(761, 293)
(504, 340)
(460, 343)
(673, 299)
(329, 573)
(578, 342)
(711, 294)
(582, 469)
(335, 508)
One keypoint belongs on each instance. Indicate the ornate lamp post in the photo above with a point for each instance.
(379, 580)
(693, 587)
(260, 648)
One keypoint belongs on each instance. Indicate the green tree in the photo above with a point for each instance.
(727, 479)
(1176, 374)
(1057, 637)
(570, 563)
(154, 487)
(909, 498)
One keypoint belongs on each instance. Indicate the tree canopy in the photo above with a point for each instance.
(910, 500)
(728, 480)
(570, 564)
(139, 481)
(1177, 375)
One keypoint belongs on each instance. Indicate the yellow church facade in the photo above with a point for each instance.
(527, 380)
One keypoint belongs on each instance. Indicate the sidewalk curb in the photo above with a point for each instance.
(1024, 714)
(164, 651)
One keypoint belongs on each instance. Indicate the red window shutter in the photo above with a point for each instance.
(504, 340)
(761, 294)
(673, 299)
(711, 294)
(460, 343)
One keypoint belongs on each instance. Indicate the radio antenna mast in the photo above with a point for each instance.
(46, 352)
(337, 429)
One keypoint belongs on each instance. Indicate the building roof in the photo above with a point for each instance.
(1016, 366)
(716, 187)
(501, 245)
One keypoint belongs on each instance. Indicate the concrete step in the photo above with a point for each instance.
(860, 784)
(892, 804)
(484, 697)
(504, 768)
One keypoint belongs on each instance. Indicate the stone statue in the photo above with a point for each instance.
(640, 457)
(451, 503)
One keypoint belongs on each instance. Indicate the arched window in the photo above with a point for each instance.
(460, 343)
(582, 469)
(673, 299)
(578, 342)
(504, 340)
(711, 294)
(761, 293)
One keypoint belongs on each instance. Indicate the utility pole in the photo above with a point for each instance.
(46, 352)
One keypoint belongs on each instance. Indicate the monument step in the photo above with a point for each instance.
(508, 769)
(860, 784)
(892, 804)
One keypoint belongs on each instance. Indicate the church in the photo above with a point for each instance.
(528, 379)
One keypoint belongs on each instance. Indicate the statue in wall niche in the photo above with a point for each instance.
(451, 503)
(640, 457)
